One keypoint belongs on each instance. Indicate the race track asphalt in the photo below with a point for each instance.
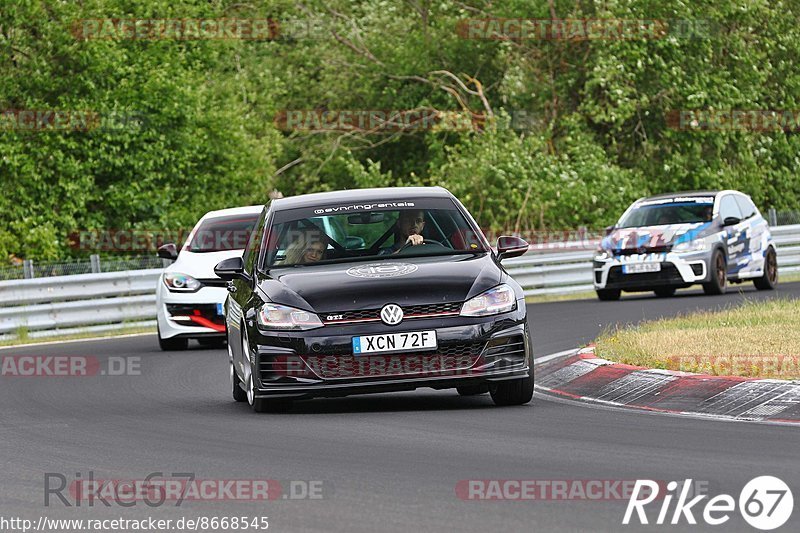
(387, 462)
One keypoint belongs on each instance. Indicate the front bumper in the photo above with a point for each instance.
(677, 270)
(320, 362)
(190, 314)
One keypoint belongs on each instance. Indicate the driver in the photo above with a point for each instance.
(407, 230)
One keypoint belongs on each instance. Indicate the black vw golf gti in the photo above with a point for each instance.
(374, 290)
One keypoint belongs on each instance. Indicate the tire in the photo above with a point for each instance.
(237, 391)
(719, 274)
(608, 295)
(260, 405)
(266, 405)
(513, 392)
(473, 390)
(665, 292)
(175, 344)
(769, 280)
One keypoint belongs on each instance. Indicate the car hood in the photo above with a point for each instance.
(368, 285)
(200, 265)
(649, 237)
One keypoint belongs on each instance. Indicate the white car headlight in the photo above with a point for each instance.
(696, 245)
(602, 255)
(177, 282)
(276, 316)
(500, 299)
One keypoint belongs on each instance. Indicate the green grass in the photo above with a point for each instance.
(543, 298)
(753, 339)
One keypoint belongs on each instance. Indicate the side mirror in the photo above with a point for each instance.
(731, 221)
(168, 251)
(609, 230)
(508, 246)
(230, 269)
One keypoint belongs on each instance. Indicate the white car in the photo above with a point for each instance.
(189, 296)
(671, 241)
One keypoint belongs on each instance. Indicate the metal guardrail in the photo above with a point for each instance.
(563, 268)
(93, 302)
(44, 306)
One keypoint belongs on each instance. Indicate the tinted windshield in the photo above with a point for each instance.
(439, 229)
(665, 212)
(221, 234)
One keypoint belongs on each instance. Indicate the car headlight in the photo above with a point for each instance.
(177, 282)
(601, 254)
(282, 317)
(695, 245)
(500, 299)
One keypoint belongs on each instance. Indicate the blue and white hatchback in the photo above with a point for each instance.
(671, 241)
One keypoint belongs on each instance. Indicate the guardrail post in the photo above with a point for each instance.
(582, 230)
(773, 217)
(27, 268)
(94, 259)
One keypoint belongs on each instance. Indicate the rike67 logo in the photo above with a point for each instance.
(766, 503)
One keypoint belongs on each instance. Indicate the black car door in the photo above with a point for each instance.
(241, 293)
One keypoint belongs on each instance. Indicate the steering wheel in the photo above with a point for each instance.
(424, 242)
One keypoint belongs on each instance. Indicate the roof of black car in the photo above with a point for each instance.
(683, 193)
(386, 194)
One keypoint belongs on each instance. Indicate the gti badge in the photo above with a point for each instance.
(391, 314)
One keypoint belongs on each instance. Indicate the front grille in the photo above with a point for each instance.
(341, 364)
(184, 312)
(337, 362)
(411, 311)
(377, 365)
(644, 250)
(462, 348)
(668, 275)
